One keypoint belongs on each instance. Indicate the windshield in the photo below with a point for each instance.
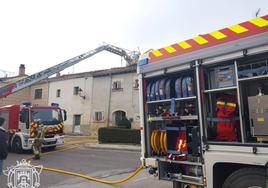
(47, 116)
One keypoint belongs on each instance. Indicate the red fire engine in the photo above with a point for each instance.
(22, 123)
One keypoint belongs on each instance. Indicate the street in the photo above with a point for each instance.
(103, 164)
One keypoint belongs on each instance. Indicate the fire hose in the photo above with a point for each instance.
(111, 182)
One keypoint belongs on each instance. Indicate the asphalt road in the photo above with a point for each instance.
(107, 164)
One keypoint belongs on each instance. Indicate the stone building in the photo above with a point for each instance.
(73, 93)
(115, 95)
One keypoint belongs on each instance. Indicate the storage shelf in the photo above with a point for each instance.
(169, 100)
(177, 118)
(253, 78)
(185, 98)
(158, 101)
(220, 89)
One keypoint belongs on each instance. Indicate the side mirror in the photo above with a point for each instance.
(65, 115)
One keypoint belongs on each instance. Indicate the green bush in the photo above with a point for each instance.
(124, 123)
(119, 135)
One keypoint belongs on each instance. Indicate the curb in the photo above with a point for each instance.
(121, 147)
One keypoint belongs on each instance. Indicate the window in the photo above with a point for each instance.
(98, 116)
(46, 116)
(58, 93)
(76, 90)
(24, 117)
(77, 120)
(136, 84)
(38, 94)
(117, 85)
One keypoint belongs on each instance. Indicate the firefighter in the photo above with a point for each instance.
(37, 145)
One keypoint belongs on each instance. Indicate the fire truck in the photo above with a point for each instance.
(204, 109)
(22, 121)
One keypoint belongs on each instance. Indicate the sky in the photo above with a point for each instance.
(43, 33)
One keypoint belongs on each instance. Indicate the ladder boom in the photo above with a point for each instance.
(130, 57)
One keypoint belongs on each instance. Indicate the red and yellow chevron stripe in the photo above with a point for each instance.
(232, 33)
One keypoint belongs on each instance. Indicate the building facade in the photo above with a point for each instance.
(97, 99)
(73, 93)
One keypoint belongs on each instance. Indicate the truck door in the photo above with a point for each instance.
(5, 115)
(24, 123)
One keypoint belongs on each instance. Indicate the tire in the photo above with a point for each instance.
(17, 145)
(246, 178)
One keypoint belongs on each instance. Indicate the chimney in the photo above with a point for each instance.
(58, 74)
(22, 70)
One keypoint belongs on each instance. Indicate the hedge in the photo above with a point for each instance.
(119, 135)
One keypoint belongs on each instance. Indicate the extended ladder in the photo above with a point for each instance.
(129, 56)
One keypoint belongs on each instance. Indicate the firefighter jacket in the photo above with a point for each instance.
(3, 144)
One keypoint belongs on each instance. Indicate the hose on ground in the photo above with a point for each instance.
(111, 182)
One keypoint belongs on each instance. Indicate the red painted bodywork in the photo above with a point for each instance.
(14, 111)
(253, 30)
(13, 117)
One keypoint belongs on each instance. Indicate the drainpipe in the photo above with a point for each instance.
(109, 101)
(91, 100)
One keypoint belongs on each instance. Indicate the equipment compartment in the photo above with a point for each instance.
(172, 171)
(172, 117)
(221, 110)
(254, 96)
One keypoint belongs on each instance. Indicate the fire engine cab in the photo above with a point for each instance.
(23, 121)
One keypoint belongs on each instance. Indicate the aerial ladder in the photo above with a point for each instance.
(129, 56)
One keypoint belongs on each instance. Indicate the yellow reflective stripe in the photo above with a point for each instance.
(180, 144)
(200, 40)
(220, 103)
(170, 49)
(184, 45)
(157, 53)
(231, 104)
(260, 22)
(238, 29)
(217, 35)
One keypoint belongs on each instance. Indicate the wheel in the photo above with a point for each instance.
(246, 178)
(17, 145)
